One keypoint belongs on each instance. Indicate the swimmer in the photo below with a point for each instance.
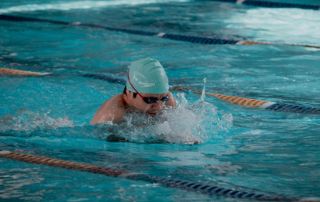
(146, 91)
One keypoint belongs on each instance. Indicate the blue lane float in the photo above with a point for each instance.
(163, 35)
(211, 190)
(195, 39)
(198, 187)
(262, 104)
(273, 4)
(108, 78)
(254, 103)
(282, 107)
(177, 37)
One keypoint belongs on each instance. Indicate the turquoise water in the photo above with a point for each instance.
(270, 151)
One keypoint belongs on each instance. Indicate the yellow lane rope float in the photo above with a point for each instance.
(58, 163)
(242, 101)
(17, 72)
(248, 102)
(253, 103)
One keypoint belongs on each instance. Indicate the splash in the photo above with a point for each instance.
(291, 25)
(203, 93)
(188, 123)
(28, 121)
(79, 5)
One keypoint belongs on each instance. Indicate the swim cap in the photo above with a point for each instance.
(147, 76)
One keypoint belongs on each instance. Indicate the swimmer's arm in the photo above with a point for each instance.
(171, 102)
(111, 110)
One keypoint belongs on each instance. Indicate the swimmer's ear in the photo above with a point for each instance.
(125, 90)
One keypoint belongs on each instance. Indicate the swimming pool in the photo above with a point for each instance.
(241, 148)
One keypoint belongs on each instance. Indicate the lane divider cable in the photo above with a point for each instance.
(163, 35)
(271, 4)
(198, 187)
(241, 101)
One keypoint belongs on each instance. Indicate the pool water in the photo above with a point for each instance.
(255, 149)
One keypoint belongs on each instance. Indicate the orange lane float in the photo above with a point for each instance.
(17, 72)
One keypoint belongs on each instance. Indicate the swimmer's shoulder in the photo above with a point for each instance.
(111, 110)
(114, 103)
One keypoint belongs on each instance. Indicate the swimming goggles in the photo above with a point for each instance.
(149, 100)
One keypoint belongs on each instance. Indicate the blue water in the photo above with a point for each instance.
(269, 151)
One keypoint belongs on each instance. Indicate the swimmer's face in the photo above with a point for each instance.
(149, 103)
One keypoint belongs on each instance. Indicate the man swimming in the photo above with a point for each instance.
(146, 90)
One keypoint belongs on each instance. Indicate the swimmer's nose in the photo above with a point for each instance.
(156, 106)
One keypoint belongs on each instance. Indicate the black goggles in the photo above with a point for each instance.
(152, 100)
(149, 100)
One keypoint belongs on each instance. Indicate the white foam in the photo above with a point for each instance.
(161, 34)
(84, 5)
(29, 121)
(289, 25)
(309, 199)
(4, 152)
(266, 105)
(203, 93)
(186, 124)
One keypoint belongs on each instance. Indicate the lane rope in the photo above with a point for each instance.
(279, 107)
(241, 101)
(167, 182)
(176, 37)
(253, 103)
(270, 4)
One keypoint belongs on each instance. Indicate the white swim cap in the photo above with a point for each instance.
(147, 76)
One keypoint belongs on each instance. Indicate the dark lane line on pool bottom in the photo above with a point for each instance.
(176, 37)
(198, 187)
